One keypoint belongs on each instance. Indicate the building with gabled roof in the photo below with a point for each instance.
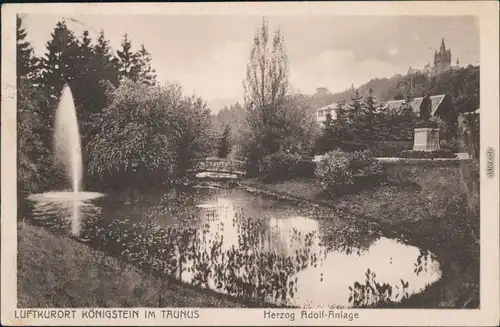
(322, 112)
(441, 106)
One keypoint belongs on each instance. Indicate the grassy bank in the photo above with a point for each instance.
(54, 271)
(424, 204)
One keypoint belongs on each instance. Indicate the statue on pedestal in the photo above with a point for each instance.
(425, 109)
(426, 131)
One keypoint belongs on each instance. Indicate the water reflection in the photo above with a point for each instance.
(255, 247)
(69, 206)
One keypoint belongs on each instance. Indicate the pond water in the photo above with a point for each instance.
(247, 245)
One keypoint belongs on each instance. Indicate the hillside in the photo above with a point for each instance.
(462, 84)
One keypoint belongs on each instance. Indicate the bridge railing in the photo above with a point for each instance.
(218, 164)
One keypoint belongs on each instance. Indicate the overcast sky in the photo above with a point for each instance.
(208, 54)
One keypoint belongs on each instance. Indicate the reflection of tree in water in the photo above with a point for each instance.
(196, 250)
(372, 293)
(424, 258)
(352, 238)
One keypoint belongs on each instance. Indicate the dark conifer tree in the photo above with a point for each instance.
(27, 63)
(147, 74)
(128, 61)
(59, 66)
(369, 122)
(225, 142)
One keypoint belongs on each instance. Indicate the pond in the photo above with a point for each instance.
(249, 246)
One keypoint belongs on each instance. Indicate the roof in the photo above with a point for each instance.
(416, 102)
(332, 105)
(330, 108)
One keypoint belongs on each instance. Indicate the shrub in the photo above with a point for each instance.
(350, 146)
(344, 170)
(390, 149)
(334, 170)
(280, 165)
(363, 163)
(442, 153)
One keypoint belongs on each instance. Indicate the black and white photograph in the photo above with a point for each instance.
(310, 167)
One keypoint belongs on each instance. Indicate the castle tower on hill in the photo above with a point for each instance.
(442, 59)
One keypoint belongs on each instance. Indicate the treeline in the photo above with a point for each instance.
(275, 126)
(365, 123)
(462, 84)
(130, 126)
(280, 120)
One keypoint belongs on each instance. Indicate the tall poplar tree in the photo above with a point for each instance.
(266, 88)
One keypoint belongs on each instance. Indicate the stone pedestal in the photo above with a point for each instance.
(426, 137)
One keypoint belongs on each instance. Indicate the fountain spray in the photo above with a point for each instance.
(68, 150)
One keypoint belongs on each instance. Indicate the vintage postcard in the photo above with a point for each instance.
(257, 164)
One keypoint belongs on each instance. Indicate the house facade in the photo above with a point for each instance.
(322, 112)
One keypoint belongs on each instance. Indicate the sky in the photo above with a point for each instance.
(208, 54)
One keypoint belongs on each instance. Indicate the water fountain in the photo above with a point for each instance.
(68, 153)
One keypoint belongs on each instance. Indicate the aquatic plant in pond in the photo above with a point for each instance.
(275, 257)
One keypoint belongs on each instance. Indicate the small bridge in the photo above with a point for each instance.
(217, 168)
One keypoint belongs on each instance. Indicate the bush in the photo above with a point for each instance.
(280, 165)
(363, 163)
(349, 146)
(334, 171)
(342, 170)
(442, 153)
(390, 149)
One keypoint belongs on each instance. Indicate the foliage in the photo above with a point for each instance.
(33, 156)
(225, 142)
(147, 129)
(364, 163)
(403, 123)
(147, 74)
(447, 130)
(234, 117)
(280, 165)
(441, 153)
(266, 80)
(390, 148)
(461, 84)
(128, 61)
(94, 71)
(333, 171)
(27, 63)
(276, 118)
(470, 135)
(365, 123)
(373, 123)
(340, 169)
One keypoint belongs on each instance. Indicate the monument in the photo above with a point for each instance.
(426, 137)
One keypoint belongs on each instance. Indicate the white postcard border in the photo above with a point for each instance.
(487, 13)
